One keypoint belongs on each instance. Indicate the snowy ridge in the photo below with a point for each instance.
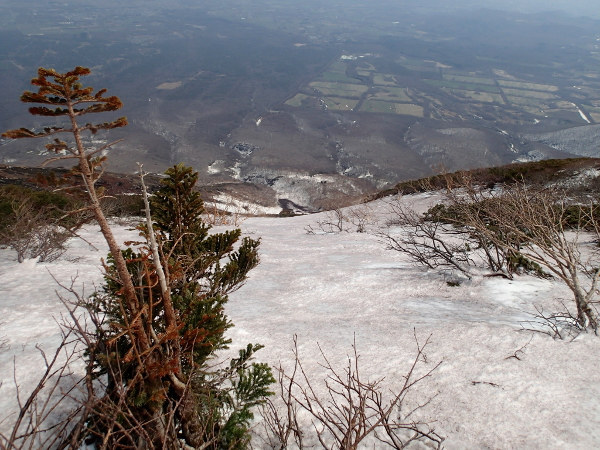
(232, 205)
(331, 288)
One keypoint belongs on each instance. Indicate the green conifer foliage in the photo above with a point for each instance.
(155, 337)
(202, 269)
(207, 265)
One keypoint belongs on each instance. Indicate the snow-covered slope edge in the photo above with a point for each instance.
(330, 288)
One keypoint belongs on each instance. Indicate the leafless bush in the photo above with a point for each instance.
(541, 222)
(360, 217)
(333, 222)
(505, 230)
(558, 325)
(227, 212)
(432, 244)
(57, 411)
(123, 206)
(350, 411)
(46, 415)
(31, 234)
(351, 219)
(280, 414)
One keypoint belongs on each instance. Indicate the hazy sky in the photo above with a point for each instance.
(589, 8)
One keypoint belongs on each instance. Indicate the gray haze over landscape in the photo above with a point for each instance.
(311, 101)
(587, 8)
(392, 297)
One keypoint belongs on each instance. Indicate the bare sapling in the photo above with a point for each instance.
(46, 415)
(66, 97)
(552, 231)
(351, 219)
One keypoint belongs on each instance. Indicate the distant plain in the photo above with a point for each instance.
(365, 95)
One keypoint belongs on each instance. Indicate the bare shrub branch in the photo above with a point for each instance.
(351, 409)
(508, 230)
(31, 232)
(432, 244)
(352, 219)
(540, 222)
(45, 416)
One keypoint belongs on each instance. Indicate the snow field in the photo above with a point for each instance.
(332, 289)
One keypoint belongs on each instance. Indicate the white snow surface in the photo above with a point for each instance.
(582, 114)
(232, 205)
(329, 289)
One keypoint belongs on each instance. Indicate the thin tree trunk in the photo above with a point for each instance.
(120, 263)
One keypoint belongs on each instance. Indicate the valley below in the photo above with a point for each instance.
(319, 111)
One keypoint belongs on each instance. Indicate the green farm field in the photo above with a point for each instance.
(469, 79)
(392, 94)
(485, 97)
(339, 89)
(384, 79)
(296, 101)
(529, 94)
(463, 85)
(528, 86)
(338, 77)
(527, 101)
(378, 106)
(340, 103)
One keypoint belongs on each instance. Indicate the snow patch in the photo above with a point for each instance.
(216, 167)
(233, 205)
(236, 171)
(582, 114)
(579, 179)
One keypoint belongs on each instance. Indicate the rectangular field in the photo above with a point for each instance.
(296, 101)
(469, 79)
(529, 94)
(338, 66)
(340, 103)
(409, 109)
(484, 97)
(418, 65)
(526, 101)
(418, 68)
(379, 106)
(392, 94)
(384, 79)
(535, 111)
(337, 77)
(339, 89)
(528, 86)
(464, 86)
(366, 66)
(564, 104)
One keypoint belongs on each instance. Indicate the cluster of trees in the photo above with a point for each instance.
(150, 335)
(160, 315)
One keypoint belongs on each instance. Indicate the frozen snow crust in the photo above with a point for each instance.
(497, 386)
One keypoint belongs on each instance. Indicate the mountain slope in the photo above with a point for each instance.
(332, 289)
